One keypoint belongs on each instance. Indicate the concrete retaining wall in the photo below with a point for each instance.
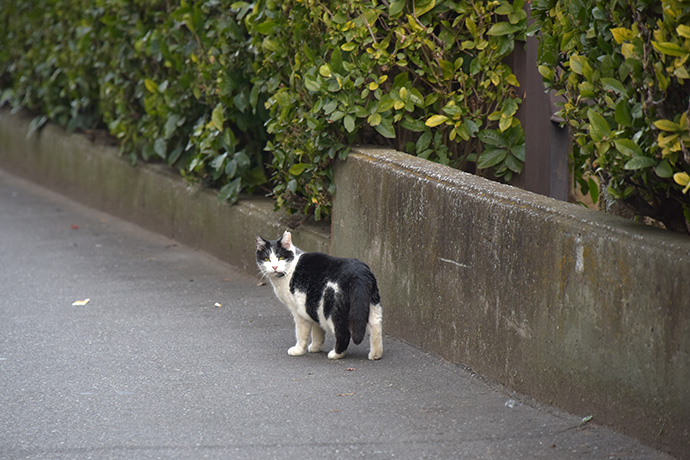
(575, 308)
(587, 311)
(152, 196)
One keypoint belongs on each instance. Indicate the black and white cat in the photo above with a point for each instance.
(323, 293)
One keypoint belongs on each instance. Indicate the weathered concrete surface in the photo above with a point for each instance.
(570, 306)
(152, 369)
(546, 297)
(151, 196)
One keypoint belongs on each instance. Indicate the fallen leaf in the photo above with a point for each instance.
(75, 227)
(217, 305)
(350, 369)
(77, 303)
(347, 394)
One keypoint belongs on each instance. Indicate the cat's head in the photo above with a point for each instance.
(275, 258)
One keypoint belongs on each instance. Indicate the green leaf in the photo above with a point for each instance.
(621, 34)
(611, 84)
(639, 162)
(349, 46)
(325, 70)
(593, 187)
(231, 191)
(670, 49)
(683, 31)
(160, 147)
(664, 169)
(386, 129)
(503, 28)
(491, 157)
(151, 85)
(667, 125)
(423, 142)
(505, 123)
(217, 117)
(349, 123)
(580, 65)
(598, 126)
(422, 7)
(374, 119)
(627, 147)
(436, 120)
(396, 7)
(298, 168)
(493, 137)
(622, 113)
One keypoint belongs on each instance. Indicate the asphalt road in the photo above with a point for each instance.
(178, 355)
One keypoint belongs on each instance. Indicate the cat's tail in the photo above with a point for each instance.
(360, 301)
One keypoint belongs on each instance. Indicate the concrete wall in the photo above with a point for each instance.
(573, 307)
(152, 196)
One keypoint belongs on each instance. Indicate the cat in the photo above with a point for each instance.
(323, 293)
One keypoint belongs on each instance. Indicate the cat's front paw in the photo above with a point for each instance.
(333, 355)
(296, 351)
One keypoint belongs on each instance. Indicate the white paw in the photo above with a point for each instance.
(296, 351)
(315, 348)
(333, 355)
(375, 355)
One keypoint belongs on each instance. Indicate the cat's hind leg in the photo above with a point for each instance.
(375, 332)
(342, 340)
(302, 330)
(318, 335)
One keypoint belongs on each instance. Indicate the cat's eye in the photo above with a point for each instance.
(281, 258)
(266, 259)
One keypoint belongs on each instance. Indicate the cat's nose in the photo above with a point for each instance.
(275, 267)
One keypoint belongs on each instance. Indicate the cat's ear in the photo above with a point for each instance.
(286, 240)
(260, 242)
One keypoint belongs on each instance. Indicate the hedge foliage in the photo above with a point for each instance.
(266, 95)
(623, 70)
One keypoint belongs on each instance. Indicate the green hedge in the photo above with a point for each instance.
(623, 69)
(265, 96)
